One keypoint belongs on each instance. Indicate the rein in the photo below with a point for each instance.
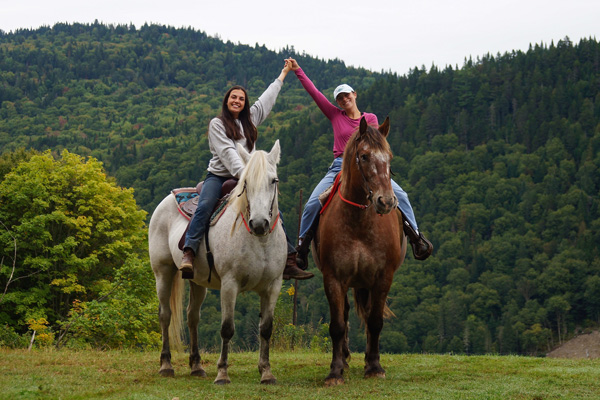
(361, 206)
(336, 188)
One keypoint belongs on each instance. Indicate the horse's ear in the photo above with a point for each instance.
(384, 128)
(363, 126)
(244, 155)
(275, 153)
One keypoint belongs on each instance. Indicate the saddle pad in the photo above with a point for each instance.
(187, 198)
(327, 195)
(187, 201)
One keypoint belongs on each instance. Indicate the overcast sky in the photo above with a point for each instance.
(389, 35)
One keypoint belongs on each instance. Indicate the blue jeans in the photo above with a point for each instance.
(313, 206)
(209, 196)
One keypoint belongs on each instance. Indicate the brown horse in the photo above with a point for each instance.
(359, 244)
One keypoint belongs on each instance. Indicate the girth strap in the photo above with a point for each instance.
(209, 256)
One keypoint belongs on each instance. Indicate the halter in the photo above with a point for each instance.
(366, 184)
(276, 180)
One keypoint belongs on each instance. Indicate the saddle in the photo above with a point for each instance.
(187, 202)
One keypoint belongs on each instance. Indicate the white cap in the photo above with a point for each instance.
(343, 88)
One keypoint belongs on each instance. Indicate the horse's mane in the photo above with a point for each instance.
(255, 171)
(373, 138)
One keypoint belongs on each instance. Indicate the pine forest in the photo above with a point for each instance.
(500, 158)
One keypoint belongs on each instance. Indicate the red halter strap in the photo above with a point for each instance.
(336, 188)
(361, 206)
(338, 184)
(248, 228)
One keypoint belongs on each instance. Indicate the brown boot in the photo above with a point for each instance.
(187, 264)
(292, 271)
(422, 248)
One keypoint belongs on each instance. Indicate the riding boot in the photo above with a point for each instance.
(303, 249)
(292, 271)
(422, 248)
(187, 264)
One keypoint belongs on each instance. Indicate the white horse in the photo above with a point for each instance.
(249, 248)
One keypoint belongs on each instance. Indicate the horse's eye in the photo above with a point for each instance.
(364, 157)
(275, 180)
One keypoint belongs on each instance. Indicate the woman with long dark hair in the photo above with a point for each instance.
(236, 124)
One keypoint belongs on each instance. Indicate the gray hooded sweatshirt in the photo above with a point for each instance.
(226, 161)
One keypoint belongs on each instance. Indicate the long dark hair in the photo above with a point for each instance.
(231, 128)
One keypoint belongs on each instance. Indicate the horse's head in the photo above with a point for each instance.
(255, 195)
(366, 167)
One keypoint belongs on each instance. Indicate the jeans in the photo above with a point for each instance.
(209, 196)
(313, 206)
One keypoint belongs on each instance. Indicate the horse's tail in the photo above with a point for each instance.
(176, 303)
(362, 302)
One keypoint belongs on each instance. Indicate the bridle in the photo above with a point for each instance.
(276, 182)
(366, 185)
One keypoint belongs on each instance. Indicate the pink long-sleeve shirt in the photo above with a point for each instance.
(343, 126)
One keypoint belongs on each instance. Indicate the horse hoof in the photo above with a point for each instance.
(375, 375)
(270, 381)
(167, 373)
(199, 372)
(334, 381)
(222, 382)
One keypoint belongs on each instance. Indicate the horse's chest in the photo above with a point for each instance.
(359, 258)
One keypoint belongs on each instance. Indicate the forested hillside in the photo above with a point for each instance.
(500, 158)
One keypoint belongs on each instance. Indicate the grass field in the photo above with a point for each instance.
(66, 374)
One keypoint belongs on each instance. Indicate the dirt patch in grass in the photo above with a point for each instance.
(583, 346)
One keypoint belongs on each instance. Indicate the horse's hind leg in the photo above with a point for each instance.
(197, 295)
(228, 299)
(267, 309)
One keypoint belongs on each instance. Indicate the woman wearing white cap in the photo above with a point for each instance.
(344, 121)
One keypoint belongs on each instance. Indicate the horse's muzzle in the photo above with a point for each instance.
(385, 204)
(259, 227)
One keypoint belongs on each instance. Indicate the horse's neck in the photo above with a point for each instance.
(353, 189)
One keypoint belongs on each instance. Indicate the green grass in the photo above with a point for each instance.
(67, 374)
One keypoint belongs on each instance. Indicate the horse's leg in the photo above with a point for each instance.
(267, 309)
(228, 298)
(337, 330)
(163, 290)
(197, 295)
(374, 325)
(345, 345)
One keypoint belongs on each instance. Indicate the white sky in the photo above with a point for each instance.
(389, 35)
